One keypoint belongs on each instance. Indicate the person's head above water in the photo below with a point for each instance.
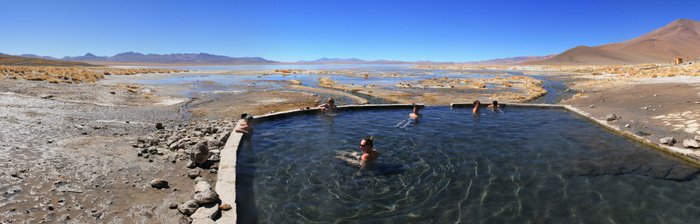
(246, 116)
(494, 103)
(330, 101)
(367, 143)
(476, 103)
(415, 108)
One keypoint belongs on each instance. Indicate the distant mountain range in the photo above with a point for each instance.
(133, 58)
(680, 38)
(351, 61)
(36, 61)
(511, 60)
(168, 59)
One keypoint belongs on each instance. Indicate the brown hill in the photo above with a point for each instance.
(681, 38)
(26, 61)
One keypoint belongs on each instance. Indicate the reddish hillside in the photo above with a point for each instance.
(681, 38)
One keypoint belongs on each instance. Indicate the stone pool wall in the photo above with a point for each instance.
(226, 179)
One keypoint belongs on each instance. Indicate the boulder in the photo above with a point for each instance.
(206, 197)
(203, 194)
(206, 212)
(159, 126)
(193, 173)
(667, 140)
(199, 153)
(159, 183)
(188, 208)
(696, 138)
(201, 186)
(612, 117)
(691, 143)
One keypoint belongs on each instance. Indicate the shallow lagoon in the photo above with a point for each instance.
(523, 165)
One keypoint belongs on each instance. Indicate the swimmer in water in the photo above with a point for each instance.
(329, 106)
(245, 127)
(494, 105)
(476, 107)
(369, 154)
(367, 147)
(414, 114)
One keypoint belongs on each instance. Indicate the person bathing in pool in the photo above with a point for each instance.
(494, 105)
(415, 114)
(476, 107)
(369, 154)
(329, 106)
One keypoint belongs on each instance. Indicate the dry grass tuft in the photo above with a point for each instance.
(55, 74)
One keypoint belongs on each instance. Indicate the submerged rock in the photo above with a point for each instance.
(639, 164)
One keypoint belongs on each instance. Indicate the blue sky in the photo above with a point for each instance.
(307, 30)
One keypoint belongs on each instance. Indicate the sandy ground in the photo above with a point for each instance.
(68, 155)
(659, 108)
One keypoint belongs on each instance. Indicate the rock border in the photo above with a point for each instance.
(226, 177)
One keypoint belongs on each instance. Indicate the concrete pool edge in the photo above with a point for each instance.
(226, 177)
(688, 155)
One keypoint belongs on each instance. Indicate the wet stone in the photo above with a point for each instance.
(159, 183)
(667, 141)
(159, 126)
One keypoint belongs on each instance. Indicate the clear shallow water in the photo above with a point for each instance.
(525, 165)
